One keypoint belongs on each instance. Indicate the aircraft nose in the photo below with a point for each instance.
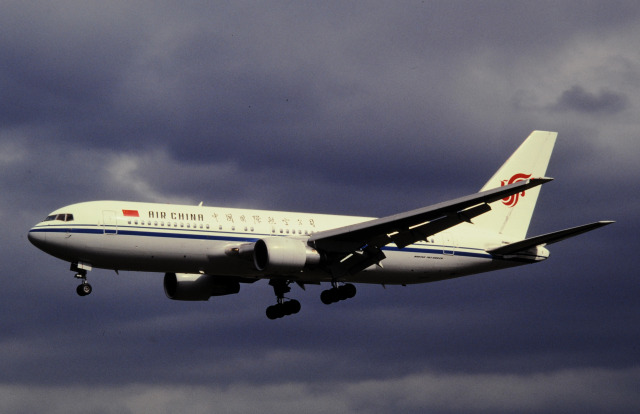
(37, 238)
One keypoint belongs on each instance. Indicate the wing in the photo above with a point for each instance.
(354, 248)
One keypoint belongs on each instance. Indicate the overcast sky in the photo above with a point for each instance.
(364, 108)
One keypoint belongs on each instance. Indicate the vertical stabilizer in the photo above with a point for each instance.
(511, 216)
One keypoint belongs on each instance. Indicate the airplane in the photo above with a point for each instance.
(210, 251)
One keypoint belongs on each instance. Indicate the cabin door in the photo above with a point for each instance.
(109, 222)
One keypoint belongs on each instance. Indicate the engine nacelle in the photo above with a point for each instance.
(283, 255)
(190, 286)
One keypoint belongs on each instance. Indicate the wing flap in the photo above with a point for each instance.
(422, 231)
(548, 238)
(357, 261)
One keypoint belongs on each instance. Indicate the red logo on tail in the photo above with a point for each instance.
(512, 200)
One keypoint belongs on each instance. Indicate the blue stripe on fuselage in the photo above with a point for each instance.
(220, 236)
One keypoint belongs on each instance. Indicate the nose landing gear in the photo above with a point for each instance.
(81, 273)
(84, 288)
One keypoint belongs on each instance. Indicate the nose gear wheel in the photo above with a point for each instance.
(84, 289)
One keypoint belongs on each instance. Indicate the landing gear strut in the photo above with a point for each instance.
(337, 293)
(282, 308)
(81, 273)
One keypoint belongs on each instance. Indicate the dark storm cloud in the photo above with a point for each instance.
(220, 84)
(604, 102)
(366, 109)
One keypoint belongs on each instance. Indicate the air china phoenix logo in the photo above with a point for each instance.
(512, 200)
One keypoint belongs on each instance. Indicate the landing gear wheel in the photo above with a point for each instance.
(272, 312)
(348, 291)
(84, 289)
(329, 296)
(81, 273)
(283, 309)
(291, 307)
(336, 294)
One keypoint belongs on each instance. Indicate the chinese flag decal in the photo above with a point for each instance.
(512, 200)
(130, 213)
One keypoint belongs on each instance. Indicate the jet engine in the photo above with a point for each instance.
(190, 286)
(283, 255)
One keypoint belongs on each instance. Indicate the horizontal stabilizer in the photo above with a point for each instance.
(547, 238)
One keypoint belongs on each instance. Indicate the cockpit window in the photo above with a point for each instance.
(60, 217)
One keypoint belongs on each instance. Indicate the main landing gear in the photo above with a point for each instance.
(337, 293)
(290, 307)
(83, 288)
(282, 308)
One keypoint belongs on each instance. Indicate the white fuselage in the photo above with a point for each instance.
(195, 239)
